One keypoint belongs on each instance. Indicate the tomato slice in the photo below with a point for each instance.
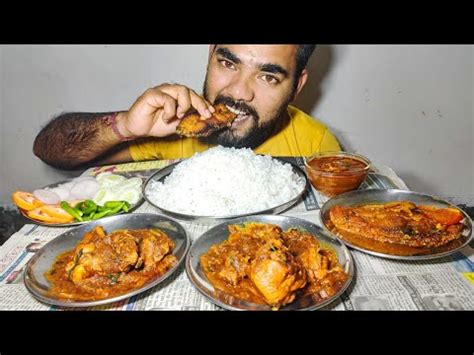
(50, 214)
(57, 212)
(25, 200)
(446, 216)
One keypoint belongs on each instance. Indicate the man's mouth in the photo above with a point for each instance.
(241, 115)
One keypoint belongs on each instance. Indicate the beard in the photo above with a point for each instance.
(255, 134)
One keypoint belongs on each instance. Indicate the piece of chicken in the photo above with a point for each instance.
(276, 274)
(154, 246)
(241, 247)
(100, 254)
(192, 125)
(325, 274)
(317, 262)
(125, 246)
(112, 255)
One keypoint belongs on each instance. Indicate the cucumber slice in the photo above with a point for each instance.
(104, 195)
(131, 195)
(133, 182)
(109, 180)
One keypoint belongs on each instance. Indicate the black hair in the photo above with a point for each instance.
(303, 54)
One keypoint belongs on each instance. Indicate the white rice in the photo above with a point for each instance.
(226, 181)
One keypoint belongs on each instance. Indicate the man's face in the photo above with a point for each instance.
(255, 81)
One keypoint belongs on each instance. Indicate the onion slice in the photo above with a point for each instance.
(47, 196)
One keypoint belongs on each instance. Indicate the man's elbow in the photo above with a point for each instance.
(40, 150)
(37, 148)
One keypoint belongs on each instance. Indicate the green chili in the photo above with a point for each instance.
(126, 206)
(100, 214)
(109, 211)
(73, 212)
(118, 208)
(81, 206)
(88, 210)
(112, 204)
(89, 206)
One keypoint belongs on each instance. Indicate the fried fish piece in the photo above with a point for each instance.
(400, 228)
(193, 126)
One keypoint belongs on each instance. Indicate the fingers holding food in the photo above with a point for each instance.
(157, 112)
(192, 125)
(186, 99)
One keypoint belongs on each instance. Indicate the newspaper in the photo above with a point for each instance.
(379, 284)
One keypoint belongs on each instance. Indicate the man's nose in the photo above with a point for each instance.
(241, 89)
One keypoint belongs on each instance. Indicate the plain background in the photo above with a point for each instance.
(409, 107)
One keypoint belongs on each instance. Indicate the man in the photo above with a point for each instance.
(256, 81)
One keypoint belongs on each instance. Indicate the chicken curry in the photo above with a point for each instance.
(107, 265)
(260, 263)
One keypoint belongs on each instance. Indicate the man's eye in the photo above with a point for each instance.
(270, 79)
(227, 64)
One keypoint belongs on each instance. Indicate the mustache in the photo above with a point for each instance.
(238, 105)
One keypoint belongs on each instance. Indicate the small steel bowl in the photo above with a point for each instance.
(332, 183)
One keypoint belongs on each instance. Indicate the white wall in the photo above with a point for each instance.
(409, 107)
(42, 81)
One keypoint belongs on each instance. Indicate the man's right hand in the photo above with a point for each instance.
(158, 111)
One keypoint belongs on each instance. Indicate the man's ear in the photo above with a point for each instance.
(301, 82)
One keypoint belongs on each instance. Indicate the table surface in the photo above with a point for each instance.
(446, 283)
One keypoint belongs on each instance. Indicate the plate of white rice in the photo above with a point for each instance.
(225, 183)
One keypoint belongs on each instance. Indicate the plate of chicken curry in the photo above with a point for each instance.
(269, 262)
(107, 260)
(397, 224)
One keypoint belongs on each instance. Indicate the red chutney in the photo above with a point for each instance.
(336, 164)
(333, 175)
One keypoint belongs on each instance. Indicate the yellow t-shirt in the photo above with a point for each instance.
(303, 136)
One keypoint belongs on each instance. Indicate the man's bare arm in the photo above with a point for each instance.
(74, 139)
